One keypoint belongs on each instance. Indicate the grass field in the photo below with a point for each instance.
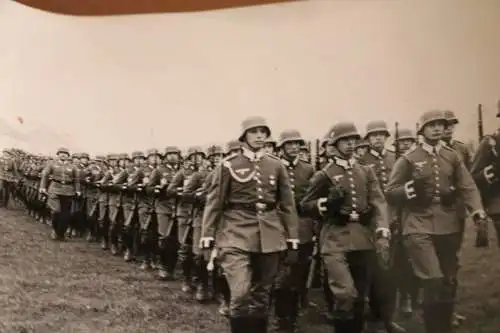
(48, 287)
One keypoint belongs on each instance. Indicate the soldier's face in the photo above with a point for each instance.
(268, 148)
(361, 151)
(405, 144)
(448, 131)
(152, 159)
(434, 130)
(121, 163)
(172, 158)
(215, 159)
(255, 137)
(329, 149)
(113, 163)
(346, 146)
(128, 163)
(291, 148)
(84, 161)
(76, 160)
(377, 140)
(63, 156)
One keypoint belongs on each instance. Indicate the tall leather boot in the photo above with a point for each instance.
(240, 325)
(282, 313)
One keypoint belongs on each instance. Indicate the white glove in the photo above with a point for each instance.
(383, 233)
(293, 244)
(43, 191)
(410, 190)
(206, 242)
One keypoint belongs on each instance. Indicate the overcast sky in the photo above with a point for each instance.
(116, 84)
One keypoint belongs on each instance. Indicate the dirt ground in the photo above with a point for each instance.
(48, 287)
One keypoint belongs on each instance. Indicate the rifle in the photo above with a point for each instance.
(480, 130)
(396, 225)
(317, 158)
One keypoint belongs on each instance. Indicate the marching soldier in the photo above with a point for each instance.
(60, 182)
(290, 288)
(145, 212)
(195, 191)
(115, 210)
(426, 183)
(161, 177)
(184, 213)
(362, 147)
(403, 280)
(77, 220)
(8, 175)
(93, 174)
(250, 213)
(381, 161)
(110, 200)
(347, 198)
(130, 200)
(464, 152)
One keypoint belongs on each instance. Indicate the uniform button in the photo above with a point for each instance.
(354, 199)
(351, 179)
(290, 173)
(437, 178)
(260, 197)
(258, 181)
(257, 167)
(353, 186)
(259, 189)
(384, 180)
(437, 191)
(353, 192)
(292, 185)
(383, 167)
(257, 174)
(349, 172)
(354, 206)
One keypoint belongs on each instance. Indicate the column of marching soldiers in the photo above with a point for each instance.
(254, 226)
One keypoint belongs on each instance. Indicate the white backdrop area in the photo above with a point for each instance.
(116, 84)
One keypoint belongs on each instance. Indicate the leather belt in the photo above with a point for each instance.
(62, 182)
(251, 207)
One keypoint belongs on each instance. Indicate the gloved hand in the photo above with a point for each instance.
(449, 196)
(335, 199)
(292, 255)
(207, 242)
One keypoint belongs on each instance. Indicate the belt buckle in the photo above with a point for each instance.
(260, 206)
(354, 216)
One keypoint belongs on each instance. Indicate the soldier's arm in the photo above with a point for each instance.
(286, 201)
(313, 202)
(193, 184)
(44, 179)
(484, 166)
(377, 201)
(400, 187)
(176, 182)
(467, 188)
(216, 197)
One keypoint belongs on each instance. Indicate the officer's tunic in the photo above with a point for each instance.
(430, 221)
(64, 182)
(161, 177)
(250, 211)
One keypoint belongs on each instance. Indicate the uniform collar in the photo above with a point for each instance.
(428, 148)
(376, 153)
(253, 157)
(288, 163)
(342, 162)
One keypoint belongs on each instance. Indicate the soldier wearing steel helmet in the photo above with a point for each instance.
(184, 213)
(250, 213)
(425, 182)
(270, 146)
(145, 212)
(161, 177)
(109, 200)
(405, 140)
(362, 147)
(381, 161)
(346, 197)
(130, 201)
(92, 175)
(8, 174)
(60, 182)
(195, 191)
(404, 282)
(115, 211)
(290, 288)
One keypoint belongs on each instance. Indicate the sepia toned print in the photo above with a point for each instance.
(302, 167)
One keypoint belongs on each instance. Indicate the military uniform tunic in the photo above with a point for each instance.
(250, 211)
(64, 181)
(347, 236)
